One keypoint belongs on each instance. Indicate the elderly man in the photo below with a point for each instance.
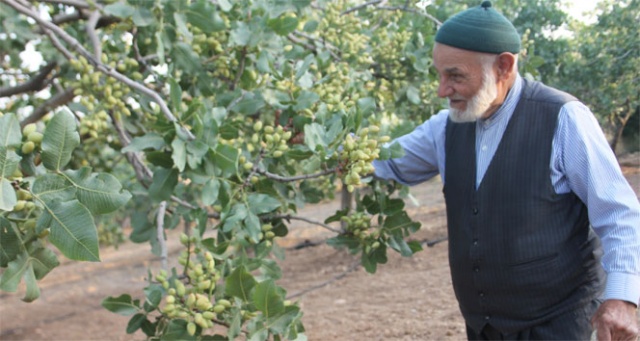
(528, 178)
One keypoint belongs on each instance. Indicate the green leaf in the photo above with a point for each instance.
(147, 141)
(314, 135)
(8, 198)
(142, 16)
(9, 243)
(239, 283)
(371, 260)
(9, 161)
(10, 132)
(153, 295)
(305, 100)
(100, 192)
(179, 153)
(391, 151)
(52, 188)
(252, 227)
(267, 299)
(119, 9)
(250, 104)
(73, 230)
(210, 192)
(241, 35)
(283, 25)
(226, 159)
(202, 15)
(396, 241)
(177, 331)
(261, 203)
(281, 323)
(59, 141)
(122, 305)
(164, 182)
(136, 322)
(185, 59)
(175, 94)
(31, 267)
(413, 94)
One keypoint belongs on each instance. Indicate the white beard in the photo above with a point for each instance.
(480, 103)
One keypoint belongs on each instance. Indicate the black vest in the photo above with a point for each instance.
(519, 253)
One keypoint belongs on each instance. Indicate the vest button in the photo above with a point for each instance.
(476, 268)
(475, 242)
(475, 210)
(481, 294)
(487, 317)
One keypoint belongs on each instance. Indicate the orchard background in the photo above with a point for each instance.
(218, 127)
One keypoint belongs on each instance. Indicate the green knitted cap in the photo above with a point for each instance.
(480, 29)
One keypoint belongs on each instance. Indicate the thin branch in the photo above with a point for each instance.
(53, 102)
(93, 36)
(36, 83)
(297, 177)
(353, 9)
(160, 233)
(411, 10)
(240, 69)
(330, 47)
(353, 267)
(98, 65)
(237, 100)
(289, 217)
(74, 3)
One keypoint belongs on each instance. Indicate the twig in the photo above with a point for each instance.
(297, 177)
(289, 217)
(74, 3)
(353, 9)
(353, 267)
(91, 32)
(243, 58)
(36, 83)
(98, 65)
(160, 234)
(53, 102)
(411, 10)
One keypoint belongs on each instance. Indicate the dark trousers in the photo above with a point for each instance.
(574, 325)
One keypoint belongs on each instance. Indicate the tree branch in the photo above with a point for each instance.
(289, 217)
(353, 9)
(74, 3)
(93, 36)
(59, 99)
(36, 83)
(411, 10)
(97, 64)
(297, 177)
(160, 234)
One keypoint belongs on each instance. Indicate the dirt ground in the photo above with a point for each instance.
(407, 299)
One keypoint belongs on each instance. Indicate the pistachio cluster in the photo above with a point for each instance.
(193, 299)
(358, 153)
(359, 225)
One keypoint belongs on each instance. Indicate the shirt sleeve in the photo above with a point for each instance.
(586, 165)
(423, 154)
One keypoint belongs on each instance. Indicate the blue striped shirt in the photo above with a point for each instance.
(581, 162)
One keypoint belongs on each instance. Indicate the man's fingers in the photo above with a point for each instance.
(603, 333)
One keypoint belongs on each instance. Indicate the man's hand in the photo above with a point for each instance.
(616, 320)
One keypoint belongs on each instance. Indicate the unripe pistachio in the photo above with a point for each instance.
(28, 147)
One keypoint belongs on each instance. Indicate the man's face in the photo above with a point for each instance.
(467, 80)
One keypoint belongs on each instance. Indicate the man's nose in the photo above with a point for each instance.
(444, 90)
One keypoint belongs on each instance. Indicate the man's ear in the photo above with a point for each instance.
(506, 62)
